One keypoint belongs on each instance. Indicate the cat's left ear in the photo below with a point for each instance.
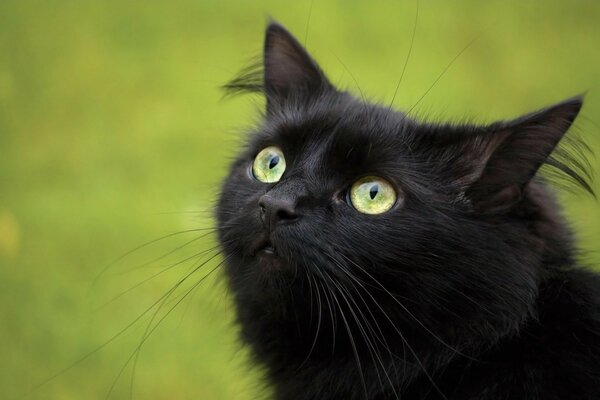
(507, 155)
(289, 71)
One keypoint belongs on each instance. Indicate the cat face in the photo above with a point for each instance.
(428, 229)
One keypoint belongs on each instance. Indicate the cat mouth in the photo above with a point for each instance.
(265, 247)
(268, 249)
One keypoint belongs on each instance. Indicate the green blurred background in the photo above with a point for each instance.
(113, 132)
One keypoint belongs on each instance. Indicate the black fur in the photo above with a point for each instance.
(466, 289)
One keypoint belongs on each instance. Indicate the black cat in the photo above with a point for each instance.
(372, 256)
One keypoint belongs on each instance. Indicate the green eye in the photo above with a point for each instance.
(269, 165)
(372, 195)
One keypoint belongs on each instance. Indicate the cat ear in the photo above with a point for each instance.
(507, 155)
(289, 71)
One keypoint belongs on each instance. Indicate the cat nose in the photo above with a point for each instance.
(277, 210)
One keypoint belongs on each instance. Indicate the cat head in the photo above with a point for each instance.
(351, 211)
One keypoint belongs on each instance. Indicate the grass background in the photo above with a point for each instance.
(113, 132)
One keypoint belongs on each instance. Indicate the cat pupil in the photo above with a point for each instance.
(374, 190)
(274, 161)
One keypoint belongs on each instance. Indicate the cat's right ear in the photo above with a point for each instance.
(290, 73)
(494, 164)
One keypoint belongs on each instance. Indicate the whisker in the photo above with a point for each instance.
(331, 313)
(408, 311)
(412, 41)
(362, 94)
(351, 337)
(162, 302)
(373, 350)
(308, 22)
(137, 248)
(168, 268)
(312, 347)
(166, 254)
(381, 337)
(106, 343)
(404, 339)
(440, 76)
(185, 295)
